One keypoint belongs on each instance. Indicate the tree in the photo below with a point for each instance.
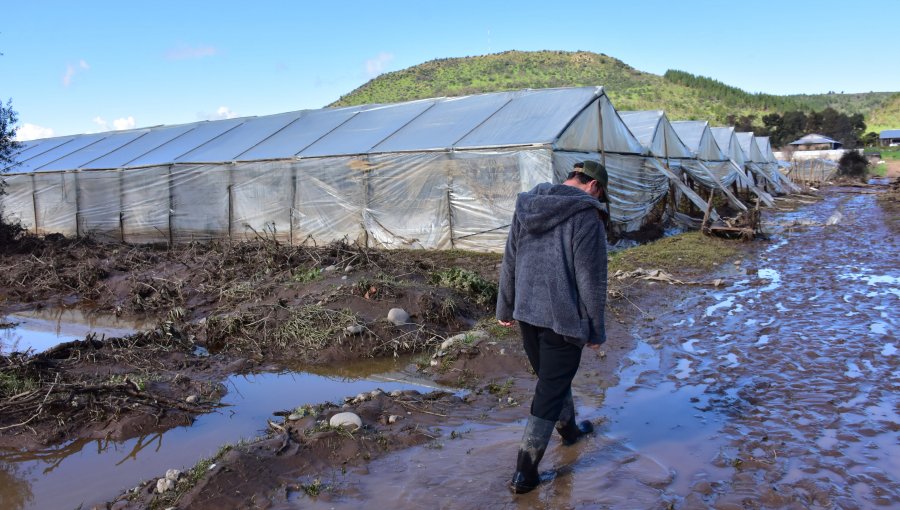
(8, 143)
(870, 139)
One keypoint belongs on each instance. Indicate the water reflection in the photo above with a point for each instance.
(39, 330)
(89, 471)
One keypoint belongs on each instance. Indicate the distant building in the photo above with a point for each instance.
(889, 138)
(814, 142)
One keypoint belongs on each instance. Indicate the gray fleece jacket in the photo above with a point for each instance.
(554, 268)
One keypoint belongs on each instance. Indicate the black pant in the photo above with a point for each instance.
(555, 362)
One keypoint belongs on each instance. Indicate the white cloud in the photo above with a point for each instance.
(375, 66)
(118, 124)
(124, 123)
(72, 70)
(32, 132)
(223, 112)
(185, 52)
(67, 78)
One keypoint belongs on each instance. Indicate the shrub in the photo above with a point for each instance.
(853, 164)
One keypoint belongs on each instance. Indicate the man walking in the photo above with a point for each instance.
(553, 282)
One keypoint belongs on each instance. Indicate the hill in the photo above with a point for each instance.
(682, 95)
(886, 116)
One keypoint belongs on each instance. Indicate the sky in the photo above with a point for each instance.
(93, 66)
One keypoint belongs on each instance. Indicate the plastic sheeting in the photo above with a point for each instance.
(653, 129)
(580, 118)
(17, 205)
(636, 184)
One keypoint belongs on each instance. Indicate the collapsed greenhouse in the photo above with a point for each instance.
(435, 173)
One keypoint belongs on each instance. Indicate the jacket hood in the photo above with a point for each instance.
(547, 205)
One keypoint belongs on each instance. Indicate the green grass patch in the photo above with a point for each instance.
(483, 291)
(879, 170)
(306, 274)
(683, 252)
(13, 384)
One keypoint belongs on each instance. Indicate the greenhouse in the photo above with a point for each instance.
(731, 148)
(436, 173)
(654, 130)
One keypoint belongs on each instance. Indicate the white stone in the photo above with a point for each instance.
(348, 268)
(398, 316)
(173, 474)
(362, 397)
(393, 418)
(330, 269)
(396, 393)
(164, 484)
(295, 416)
(192, 399)
(376, 393)
(355, 329)
(350, 420)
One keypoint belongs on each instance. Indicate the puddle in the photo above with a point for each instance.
(779, 391)
(43, 329)
(90, 471)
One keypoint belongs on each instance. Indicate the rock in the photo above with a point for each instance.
(376, 393)
(362, 397)
(393, 418)
(355, 329)
(164, 484)
(398, 316)
(344, 277)
(330, 269)
(173, 474)
(296, 416)
(473, 337)
(346, 419)
(396, 393)
(192, 399)
(502, 352)
(349, 268)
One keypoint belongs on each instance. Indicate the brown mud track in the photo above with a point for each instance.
(674, 352)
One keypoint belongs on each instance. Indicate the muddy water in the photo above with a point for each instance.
(778, 391)
(92, 471)
(42, 329)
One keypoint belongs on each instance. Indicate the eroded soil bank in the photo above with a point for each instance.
(776, 389)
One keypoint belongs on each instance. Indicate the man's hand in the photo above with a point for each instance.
(506, 324)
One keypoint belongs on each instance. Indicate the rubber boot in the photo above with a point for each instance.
(566, 426)
(531, 451)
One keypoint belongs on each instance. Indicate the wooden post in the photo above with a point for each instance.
(171, 207)
(293, 201)
(703, 226)
(34, 206)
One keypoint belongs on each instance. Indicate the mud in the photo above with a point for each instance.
(774, 390)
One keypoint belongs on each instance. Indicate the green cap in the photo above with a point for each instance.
(595, 170)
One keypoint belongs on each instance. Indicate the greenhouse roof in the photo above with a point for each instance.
(560, 118)
(813, 139)
(653, 129)
(698, 137)
(729, 144)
